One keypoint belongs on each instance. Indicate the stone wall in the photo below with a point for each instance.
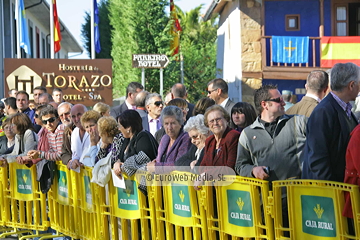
(250, 14)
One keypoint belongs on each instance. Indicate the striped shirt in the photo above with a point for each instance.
(55, 143)
(345, 106)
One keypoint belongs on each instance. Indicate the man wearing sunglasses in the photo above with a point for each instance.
(154, 105)
(270, 147)
(218, 91)
(55, 131)
(330, 125)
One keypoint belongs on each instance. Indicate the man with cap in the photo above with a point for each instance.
(286, 94)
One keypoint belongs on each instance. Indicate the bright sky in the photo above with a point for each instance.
(72, 13)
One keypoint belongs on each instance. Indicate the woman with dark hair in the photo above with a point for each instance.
(173, 144)
(25, 138)
(54, 135)
(139, 148)
(7, 142)
(242, 115)
(203, 104)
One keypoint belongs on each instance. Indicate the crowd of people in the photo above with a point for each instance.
(311, 140)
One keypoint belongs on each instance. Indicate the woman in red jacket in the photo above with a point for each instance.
(221, 147)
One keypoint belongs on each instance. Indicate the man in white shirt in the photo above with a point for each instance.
(317, 84)
(80, 139)
(154, 105)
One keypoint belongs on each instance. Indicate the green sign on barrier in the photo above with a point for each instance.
(318, 217)
(63, 184)
(181, 200)
(88, 193)
(240, 208)
(128, 198)
(23, 177)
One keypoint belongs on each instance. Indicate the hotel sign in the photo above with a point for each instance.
(85, 81)
(149, 61)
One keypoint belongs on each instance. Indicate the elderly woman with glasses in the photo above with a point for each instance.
(25, 139)
(173, 144)
(180, 103)
(198, 133)
(221, 147)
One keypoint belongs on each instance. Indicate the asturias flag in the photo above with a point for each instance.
(290, 49)
(96, 28)
(57, 34)
(175, 29)
(23, 31)
(340, 50)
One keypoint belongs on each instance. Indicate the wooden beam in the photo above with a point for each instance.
(285, 75)
(258, 75)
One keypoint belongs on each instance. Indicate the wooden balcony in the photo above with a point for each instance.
(272, 70)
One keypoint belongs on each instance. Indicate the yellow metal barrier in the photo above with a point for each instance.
(130, 206)
(3, 192)
(156, 205)
(24, 205)
(241, 206)
(94, 225)
(63, 205)
(183, 213)
(314, 210)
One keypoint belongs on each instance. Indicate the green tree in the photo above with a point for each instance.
(198, 48)
(104, 28)
(139, 27)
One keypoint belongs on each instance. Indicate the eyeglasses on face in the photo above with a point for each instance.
(277, 100)
(158, 103)
(195, 137)
(50, 120)
(36, 115)
(210, 91)
(215, 120)
(185, 109)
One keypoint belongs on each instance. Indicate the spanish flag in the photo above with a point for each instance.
(339, 50)
(175, 29)
(57, 34)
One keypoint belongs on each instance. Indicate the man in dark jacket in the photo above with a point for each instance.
(329, 127)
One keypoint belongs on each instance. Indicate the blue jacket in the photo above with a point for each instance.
(327, 135)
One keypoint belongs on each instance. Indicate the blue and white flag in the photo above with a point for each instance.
(290, 49)
(96, 28)
(23, 31)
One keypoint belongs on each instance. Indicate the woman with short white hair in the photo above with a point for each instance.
(198, 133)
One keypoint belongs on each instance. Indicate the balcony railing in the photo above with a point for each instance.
(314, 55)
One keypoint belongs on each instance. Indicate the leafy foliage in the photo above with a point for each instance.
(140, 27)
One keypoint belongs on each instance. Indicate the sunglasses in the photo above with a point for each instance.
(209, 92)
(277, 100)
(50, 120)
(158, 103)
(36, 115)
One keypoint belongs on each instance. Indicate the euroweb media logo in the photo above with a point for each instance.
(240, 210)
(181, 200)
(23, 181)
(318, 217)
